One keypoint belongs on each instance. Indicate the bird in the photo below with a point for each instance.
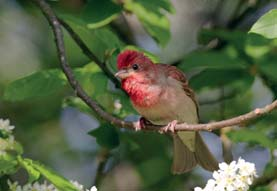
(160, 93)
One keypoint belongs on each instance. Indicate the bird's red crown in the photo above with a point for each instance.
(126, 58)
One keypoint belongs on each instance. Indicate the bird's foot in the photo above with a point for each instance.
(141, 124)
(169, 128)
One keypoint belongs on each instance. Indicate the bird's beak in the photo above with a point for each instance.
(122, 74)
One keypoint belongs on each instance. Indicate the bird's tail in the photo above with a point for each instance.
(187, 157)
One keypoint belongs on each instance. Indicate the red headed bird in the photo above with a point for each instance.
(161, 95)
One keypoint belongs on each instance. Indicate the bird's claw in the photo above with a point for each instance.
(170, 127)
(140, 124)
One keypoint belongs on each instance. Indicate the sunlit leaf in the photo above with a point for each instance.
(57, 180)
(44, 83)
(8, 164)
(93, 80)
(39, 84)
(266, 25)
(257, 46)
(100, 13)
(151, 14)
(32, 172)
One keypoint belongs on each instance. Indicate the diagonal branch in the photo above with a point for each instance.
(88, 52)
(58, 34)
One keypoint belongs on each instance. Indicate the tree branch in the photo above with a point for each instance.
(58, 34)
(88, 52)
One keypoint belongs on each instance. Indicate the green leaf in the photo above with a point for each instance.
(32, 172)
(262, 188)
(151, 14)
(252, 136)
(101, 41)
(95, 82)
(8, 164)
(257, 46)
(39, 84)
(212, 60)
(211, 78)
(17, 147)
(150, 176)
(106, 136)
(57, 180)
(268, 66)
(236, 38)
(266, 25)
(99, 13)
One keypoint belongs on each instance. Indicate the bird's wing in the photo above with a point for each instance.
(174, 72)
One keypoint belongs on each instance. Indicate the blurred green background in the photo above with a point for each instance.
(231, 70)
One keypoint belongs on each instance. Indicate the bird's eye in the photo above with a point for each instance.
(135, 66)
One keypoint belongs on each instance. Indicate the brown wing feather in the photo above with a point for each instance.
(175, 73)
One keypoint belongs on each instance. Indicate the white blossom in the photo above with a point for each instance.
(236, 176)
(5, 126)
(36, 186)
(6, 144)
(93, 188)
(198, 189)
(81, 187)
(32, 187)
(77, 185)
(7, 139)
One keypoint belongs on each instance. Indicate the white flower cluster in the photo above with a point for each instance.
(6, 138)
(44, 187)
(5, 126)
(31, 187)
(237, 176)
(81, 187)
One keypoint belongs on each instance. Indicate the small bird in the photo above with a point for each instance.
(161, 95)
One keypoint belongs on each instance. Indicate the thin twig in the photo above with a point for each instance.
(88, 52)
(56, 27)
